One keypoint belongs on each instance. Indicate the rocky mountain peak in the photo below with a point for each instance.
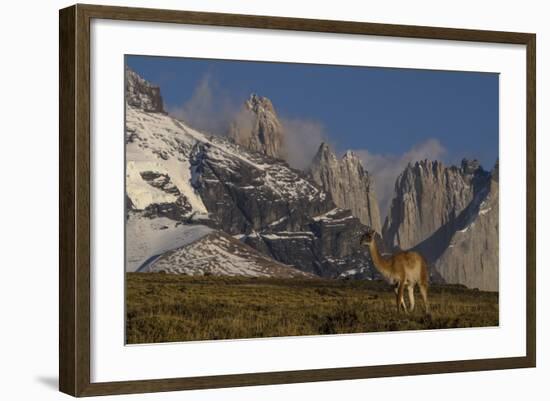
(324, 155)
(141, 94)
(349, 184)
(470, 166)
(259, 104)
(350, 157)
(257, 127)
(424, 167)
(324, 148)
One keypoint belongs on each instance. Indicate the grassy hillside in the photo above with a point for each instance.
(165, 307)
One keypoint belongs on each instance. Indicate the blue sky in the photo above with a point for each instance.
(387, 113)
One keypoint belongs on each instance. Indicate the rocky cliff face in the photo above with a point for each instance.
(246, 191)
(471, 257)
(429, 196)
(141, 94)
(450, 215)
(349, 184)
(258, 128)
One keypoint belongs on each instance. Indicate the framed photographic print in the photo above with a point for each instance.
(250, 200)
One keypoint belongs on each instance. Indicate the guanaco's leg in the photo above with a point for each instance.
(410, 288)
(400, 300)
(403, 304)
(397, 300)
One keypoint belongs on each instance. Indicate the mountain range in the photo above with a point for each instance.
(231, 205)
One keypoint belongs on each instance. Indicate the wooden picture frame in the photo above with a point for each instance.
(74, 200)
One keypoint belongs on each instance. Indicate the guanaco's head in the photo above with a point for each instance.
(367, 237)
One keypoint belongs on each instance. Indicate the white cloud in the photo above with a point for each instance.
(385, 168)
(242, 123)
(302, 138)
(209, 109)
(214, 110)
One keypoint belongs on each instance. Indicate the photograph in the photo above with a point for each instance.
(273, 199)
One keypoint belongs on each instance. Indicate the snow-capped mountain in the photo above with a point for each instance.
(349, 184)
(218, 253)
(149, 237)
(450, 215)
(258, 128)
(187, 192)
(141, 94)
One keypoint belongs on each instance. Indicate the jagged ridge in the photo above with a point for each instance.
(257, 128)
(349, 184)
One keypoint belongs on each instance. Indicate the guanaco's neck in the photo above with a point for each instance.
(380, 262)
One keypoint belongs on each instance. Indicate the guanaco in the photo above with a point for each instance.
(404, 269)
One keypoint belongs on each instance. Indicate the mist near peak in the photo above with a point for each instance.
(214, 110)
(385, 168)
(210, 108)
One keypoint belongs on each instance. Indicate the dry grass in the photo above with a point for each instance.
(163, 308)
